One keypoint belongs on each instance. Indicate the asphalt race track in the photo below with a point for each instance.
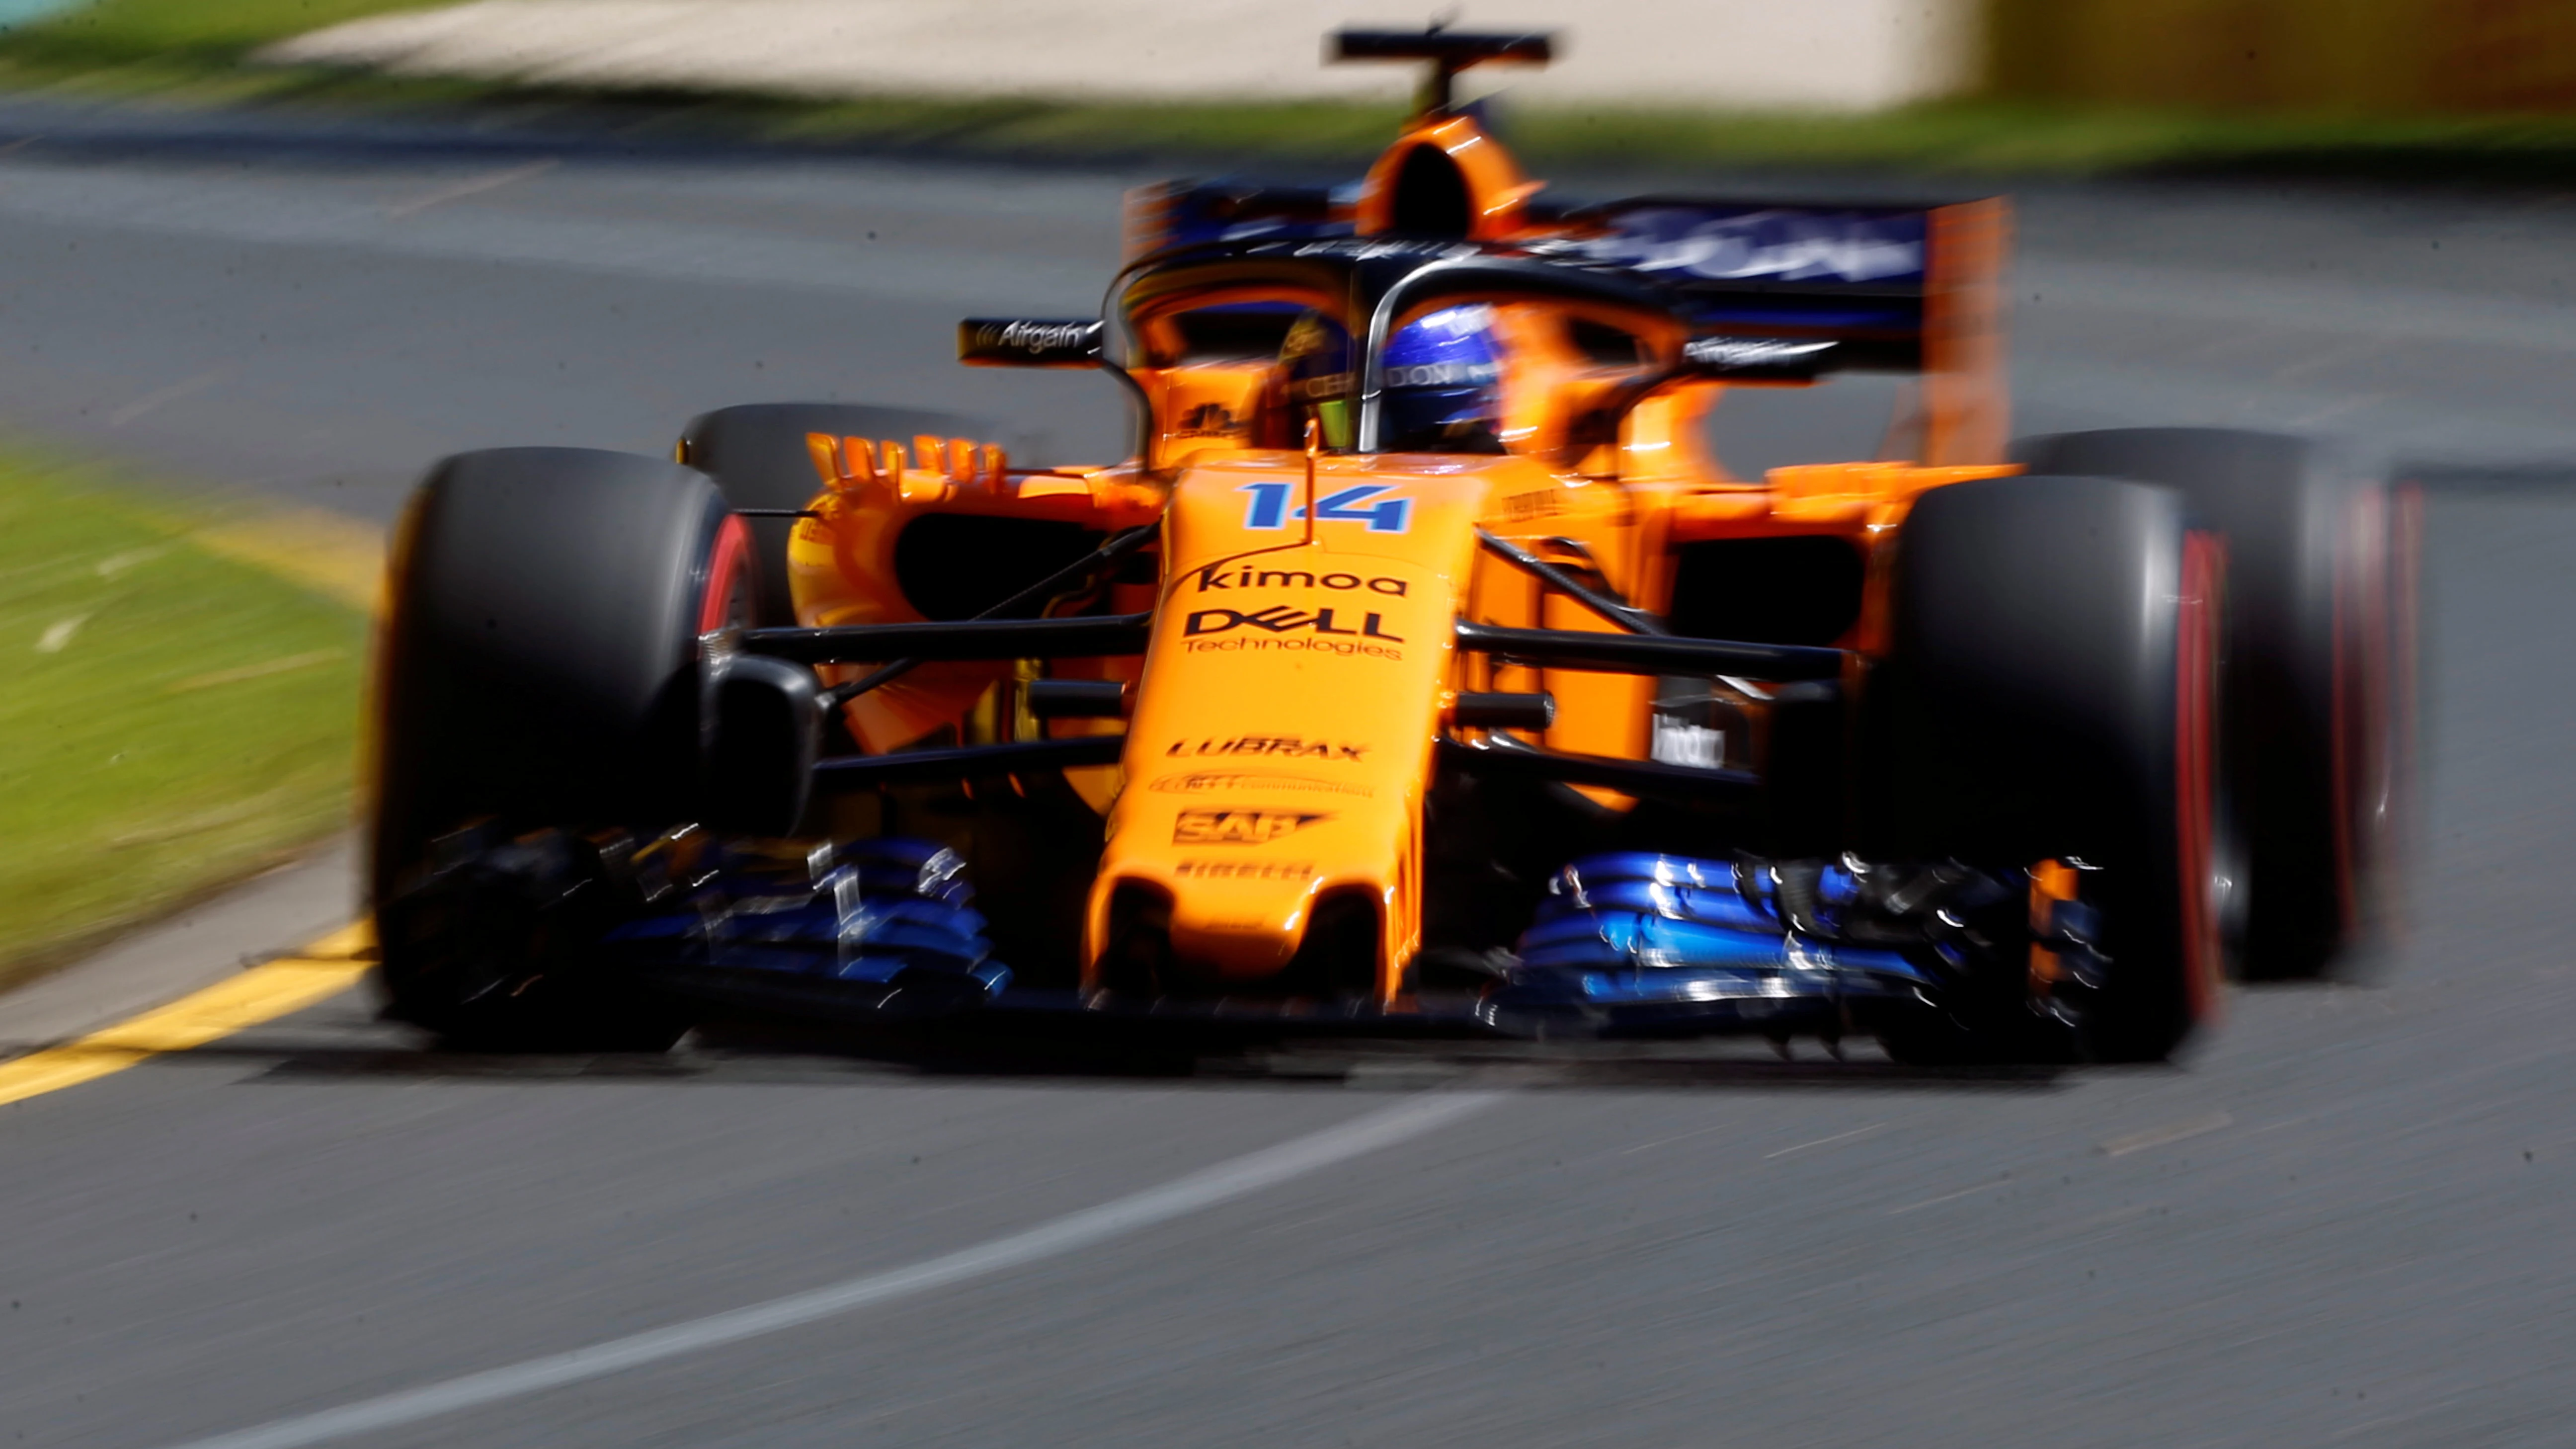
(2344, 1222)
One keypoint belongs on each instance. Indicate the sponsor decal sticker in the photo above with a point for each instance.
(1681, 742)
(1282, 629)
(1240, 827)
(1444, 374)
(1789, 244)
(1751, 352)
(1028, 341)
(1208, 420)
(1220, 578)
(1245, 870)
(1230, 782)
(1281, 747)
(1537, 503)
(1282, 619)
(1369, 248)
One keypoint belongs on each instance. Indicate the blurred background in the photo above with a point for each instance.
(262, 261)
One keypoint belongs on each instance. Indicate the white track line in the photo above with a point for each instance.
(1178, 1198)
(491, 181)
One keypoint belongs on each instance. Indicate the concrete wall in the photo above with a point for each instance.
(1840, 55)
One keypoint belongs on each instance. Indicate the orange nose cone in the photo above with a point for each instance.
(1282, 739)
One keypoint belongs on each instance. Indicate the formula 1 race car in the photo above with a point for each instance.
(1421, 665)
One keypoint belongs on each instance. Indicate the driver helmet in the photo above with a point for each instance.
(1316, 362)
(1443, 384)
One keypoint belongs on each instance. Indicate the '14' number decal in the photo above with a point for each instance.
(1268, 507)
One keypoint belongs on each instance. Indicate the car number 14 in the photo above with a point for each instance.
(1267, 507)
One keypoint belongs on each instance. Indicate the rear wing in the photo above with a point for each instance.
(1171, 216)
(1901, 288)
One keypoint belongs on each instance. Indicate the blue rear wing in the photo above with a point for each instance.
(1899, 288)
(1834, 269)
(1166, 216)
(1904, 288)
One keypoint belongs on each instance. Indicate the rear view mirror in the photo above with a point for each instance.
(1757, 359)
(1030, 342)
(1794, 361)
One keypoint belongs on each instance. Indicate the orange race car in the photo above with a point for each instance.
(1420, 666)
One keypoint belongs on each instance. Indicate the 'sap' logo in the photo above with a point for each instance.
(1267, 507)
(1281, 619)
(1239, 827)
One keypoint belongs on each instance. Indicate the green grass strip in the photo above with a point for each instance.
(172, 720)
(194, 51)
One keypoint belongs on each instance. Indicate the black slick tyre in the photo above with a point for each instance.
(757, 454)
(539, 680)
(2309, 693)
(2048, 697)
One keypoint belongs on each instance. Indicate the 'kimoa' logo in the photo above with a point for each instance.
(1220, 577)
(1281, 619)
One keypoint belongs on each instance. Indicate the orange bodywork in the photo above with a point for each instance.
(1284, 723)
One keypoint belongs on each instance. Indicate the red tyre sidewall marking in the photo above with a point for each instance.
(727, 561)
(2204, 562)
(2365, 698)
(2343, 702)
(2405, 582)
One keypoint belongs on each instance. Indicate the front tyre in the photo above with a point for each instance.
(538, 693)
(2314, 704)
(2049, 697)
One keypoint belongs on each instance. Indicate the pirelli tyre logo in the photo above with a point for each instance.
(1240, 827)
(1240, 869)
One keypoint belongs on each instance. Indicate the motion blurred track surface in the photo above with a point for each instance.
(2343, 1222)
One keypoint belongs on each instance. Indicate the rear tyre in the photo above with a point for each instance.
(2306, 727)
(2048, 696)
(757, 455)
(541, 675)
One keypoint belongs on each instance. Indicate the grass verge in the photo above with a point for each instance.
(176, 718)
(195, 51)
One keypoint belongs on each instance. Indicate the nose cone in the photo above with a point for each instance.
(1247, 853)
(1282, 737)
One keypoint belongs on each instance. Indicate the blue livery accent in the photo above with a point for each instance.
(1735, 242)
(1649, 938)
(875, 913)
(1196, 215)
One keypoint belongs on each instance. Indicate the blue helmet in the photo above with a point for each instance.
(1443, 394)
